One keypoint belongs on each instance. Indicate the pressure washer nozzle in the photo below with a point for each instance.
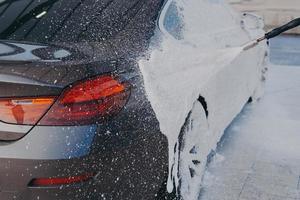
(261, 39)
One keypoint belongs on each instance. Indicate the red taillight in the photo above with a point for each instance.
(24, 111)
(88, 102)
(46, 182)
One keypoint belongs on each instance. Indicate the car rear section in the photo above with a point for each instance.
(47, 131)
(75, 122)
(77, 143)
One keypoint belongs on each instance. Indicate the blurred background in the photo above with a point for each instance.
(275, 12)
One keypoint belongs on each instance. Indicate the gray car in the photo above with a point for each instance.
(74, 120)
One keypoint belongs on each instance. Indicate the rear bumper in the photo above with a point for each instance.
(47, 152)
(16, 174)
(51, 143)
(135, 171)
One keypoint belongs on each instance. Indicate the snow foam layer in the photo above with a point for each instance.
(171, 78)
(176, 71)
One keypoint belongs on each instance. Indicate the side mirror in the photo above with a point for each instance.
(252, 21)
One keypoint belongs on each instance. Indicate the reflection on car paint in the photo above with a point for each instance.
(11, 51)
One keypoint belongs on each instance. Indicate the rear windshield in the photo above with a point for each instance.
(64, 20)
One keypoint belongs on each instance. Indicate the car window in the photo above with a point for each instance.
(173, 21)
(206, 19)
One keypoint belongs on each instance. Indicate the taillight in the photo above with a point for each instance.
(46, 182)
(24, 111)
(88, 102)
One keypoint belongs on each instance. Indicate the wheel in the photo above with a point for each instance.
(193, 149)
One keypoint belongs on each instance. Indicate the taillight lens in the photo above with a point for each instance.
(46, 182)
(88, 102)
(24, 111)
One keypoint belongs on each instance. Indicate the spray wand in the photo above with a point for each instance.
(277, 31)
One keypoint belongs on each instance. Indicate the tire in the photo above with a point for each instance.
(193, 149)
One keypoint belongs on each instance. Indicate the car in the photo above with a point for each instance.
(112, 99)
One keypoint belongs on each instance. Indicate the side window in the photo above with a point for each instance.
(173, 21)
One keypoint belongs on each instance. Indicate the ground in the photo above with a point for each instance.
(259, 156)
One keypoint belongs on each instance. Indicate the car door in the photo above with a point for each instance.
(233, 83)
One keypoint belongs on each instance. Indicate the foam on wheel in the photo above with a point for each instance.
(192, 153)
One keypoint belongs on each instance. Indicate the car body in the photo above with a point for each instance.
(60, 57)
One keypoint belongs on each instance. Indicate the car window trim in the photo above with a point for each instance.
(161, 19)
